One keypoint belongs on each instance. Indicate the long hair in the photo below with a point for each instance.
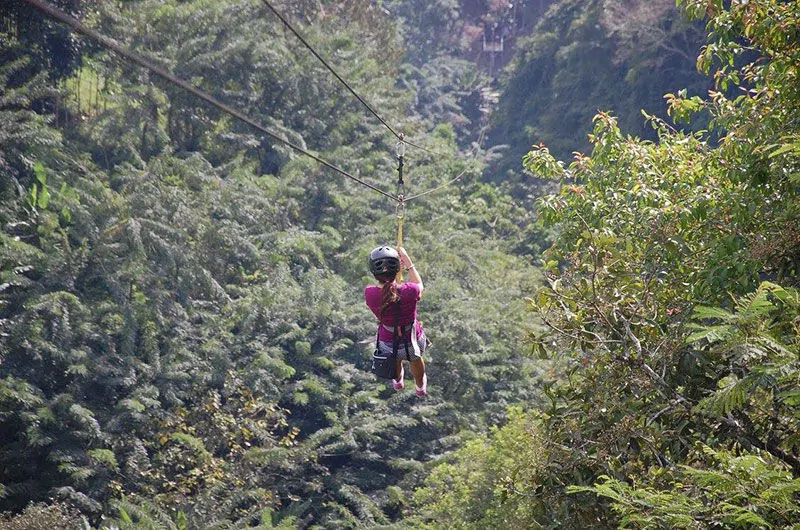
(389, 295)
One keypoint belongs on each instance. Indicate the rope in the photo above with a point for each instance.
(291, 28)
(134, 57)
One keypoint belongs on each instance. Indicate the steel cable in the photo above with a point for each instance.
(108, 43)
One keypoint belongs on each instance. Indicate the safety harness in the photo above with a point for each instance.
(400, 332)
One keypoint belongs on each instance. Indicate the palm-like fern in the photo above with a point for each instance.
(755, 354)
(721, 489)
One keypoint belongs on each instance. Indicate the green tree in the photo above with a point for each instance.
(587, 56)
(676, 365)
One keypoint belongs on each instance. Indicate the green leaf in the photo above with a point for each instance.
(33, 195)
(710, 333)
(44, 197)
(790, 397)
(103, 456)
(785, 148)
(39, 173)
(705, 312)
(181, 521)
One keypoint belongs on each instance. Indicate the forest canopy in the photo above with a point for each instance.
(183, 337)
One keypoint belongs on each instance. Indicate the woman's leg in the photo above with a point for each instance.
(418, 371)
(397, 382)
(418, 365)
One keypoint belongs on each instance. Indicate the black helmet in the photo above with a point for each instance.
(384, 263)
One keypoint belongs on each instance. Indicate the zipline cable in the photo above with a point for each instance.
(108, 43)
(291, 28)
(403, 199)
(437, 188)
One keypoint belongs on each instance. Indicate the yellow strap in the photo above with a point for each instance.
(400, 244)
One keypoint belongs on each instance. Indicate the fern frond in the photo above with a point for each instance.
(711, 313)
(733, 393)
(712, 334)
(142, 514)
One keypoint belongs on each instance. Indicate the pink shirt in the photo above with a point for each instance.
(409, 296)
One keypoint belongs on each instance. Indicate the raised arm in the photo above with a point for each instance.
(408, 265)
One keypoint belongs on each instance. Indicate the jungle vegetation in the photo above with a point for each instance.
(183, 338)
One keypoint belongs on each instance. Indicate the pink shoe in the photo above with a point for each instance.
(423, 391)
(398, 385)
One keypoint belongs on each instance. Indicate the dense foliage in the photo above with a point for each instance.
(672, 304)
(184, 339)
(617, 56)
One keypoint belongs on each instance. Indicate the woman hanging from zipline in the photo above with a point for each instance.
(395, 305)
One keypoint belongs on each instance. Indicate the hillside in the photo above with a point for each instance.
(183, 336)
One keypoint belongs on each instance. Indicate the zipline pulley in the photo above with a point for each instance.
(400, 149)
